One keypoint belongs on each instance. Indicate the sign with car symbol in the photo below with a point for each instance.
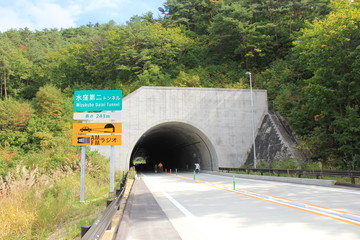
(97, 127)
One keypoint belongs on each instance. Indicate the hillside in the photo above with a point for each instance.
(304, 53)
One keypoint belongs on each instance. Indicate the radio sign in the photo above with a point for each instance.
(96, 140)
(98, 100)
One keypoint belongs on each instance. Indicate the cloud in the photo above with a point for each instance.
(41, 14)
(35, 15)
(10, 19)
(51, 15)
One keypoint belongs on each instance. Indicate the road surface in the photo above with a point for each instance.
(217, 207)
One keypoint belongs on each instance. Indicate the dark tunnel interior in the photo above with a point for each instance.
(176, 145)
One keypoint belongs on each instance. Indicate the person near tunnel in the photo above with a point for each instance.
(160, 167)
(197, 167)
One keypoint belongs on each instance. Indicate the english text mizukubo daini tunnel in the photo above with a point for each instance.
(180, 126)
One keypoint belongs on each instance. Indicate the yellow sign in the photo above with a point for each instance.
(97, 127)
(96, 140)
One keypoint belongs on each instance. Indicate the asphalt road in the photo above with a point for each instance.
(215, 207)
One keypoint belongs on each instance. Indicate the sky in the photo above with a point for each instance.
(41, 14)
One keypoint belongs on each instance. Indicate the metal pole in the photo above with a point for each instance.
(112, 167)
(252, 118)
(82, 177)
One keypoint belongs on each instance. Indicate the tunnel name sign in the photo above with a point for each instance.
(98, 100)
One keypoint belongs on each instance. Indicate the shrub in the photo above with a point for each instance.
(14, 114)
(49, 102)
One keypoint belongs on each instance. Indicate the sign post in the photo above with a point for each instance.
(112, 169)
(82, 174)
(97, 100)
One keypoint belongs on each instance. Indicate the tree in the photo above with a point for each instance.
(49, 102)
(328, 50)
(347, 136)
(14, 114)
(258, 32)
(196, 15)
(138, 47)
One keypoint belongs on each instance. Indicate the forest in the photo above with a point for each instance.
(305, 53)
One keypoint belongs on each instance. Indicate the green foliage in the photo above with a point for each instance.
(14, 115)
(347, 136)
(196, 15)
(49, 102)
(328, 50)
(184, 80)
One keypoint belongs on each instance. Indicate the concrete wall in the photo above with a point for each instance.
(223, 116)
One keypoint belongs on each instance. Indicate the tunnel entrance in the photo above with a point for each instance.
(176, 145)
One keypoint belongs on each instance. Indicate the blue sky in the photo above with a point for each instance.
(41, 14)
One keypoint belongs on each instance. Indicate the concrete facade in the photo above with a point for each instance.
(186, 125)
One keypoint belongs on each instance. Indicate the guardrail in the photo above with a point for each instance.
(103, 223)
(299, 172)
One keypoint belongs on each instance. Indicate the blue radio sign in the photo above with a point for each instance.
(98, 100)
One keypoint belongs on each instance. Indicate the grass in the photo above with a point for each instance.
(295, 164)
(337, 179)
(35, 204)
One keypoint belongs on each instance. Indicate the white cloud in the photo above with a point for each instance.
(11, 20)
(40, 14)
(80, 7)
(35, 15)
(51, 15)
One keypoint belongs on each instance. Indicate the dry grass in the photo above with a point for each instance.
(16, 214)
(21, 195)
(35, 203)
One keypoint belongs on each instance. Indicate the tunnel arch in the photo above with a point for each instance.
(177, 145)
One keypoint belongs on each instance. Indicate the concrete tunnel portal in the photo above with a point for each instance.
(179, 126)
(176, 145)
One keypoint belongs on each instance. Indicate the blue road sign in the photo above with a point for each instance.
(98, 100)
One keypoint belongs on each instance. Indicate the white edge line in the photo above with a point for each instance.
(178, 205)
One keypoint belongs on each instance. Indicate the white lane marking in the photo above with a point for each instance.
(178, 205)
